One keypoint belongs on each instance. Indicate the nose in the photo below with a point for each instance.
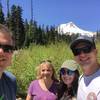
(1, 50)
(46, 72)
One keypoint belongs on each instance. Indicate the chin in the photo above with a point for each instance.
(45, 78)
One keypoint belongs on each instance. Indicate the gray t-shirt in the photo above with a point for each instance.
(8, 86)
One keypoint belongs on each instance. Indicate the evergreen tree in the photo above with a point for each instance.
(17, 26)
(26, 26)
(8, 14)
(52, 35)
(44, 38)
(47, 33)
(2, 19)
(38, 35)
(98, 35)
(32, 31)
(41, 37)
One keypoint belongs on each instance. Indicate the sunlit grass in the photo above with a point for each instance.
(26, 60)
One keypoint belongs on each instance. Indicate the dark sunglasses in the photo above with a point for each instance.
(85, 49)
(7, 48)
(64, 71)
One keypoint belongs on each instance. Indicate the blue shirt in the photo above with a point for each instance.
(8, 86)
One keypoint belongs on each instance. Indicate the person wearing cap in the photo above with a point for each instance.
(7, 80)
(69, 75)
(85, 53)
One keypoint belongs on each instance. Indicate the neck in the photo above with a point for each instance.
(96, 67)
(92, 70)
(69, 86)
(47, 82)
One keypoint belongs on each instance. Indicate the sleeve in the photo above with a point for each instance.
(31, 88)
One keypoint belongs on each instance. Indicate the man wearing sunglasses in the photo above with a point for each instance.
(7, 80)
(85, 53)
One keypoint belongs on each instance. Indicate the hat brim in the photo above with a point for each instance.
(69, 68)
(76, 42)
(70, 64)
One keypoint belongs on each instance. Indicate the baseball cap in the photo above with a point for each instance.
(85, 39)
(70, 64)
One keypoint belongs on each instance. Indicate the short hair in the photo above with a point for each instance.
(6, 31)
(50, 65)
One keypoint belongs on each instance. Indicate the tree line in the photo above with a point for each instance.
(27, 32)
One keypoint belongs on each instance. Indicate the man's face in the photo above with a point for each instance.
(6, 51)
(86, 56)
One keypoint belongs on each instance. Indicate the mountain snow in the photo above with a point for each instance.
(70, 28)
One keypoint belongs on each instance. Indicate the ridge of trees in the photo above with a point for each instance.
(25, 33)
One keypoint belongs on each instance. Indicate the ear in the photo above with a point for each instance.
(96, 51)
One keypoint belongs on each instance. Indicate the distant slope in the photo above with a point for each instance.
(70, 28)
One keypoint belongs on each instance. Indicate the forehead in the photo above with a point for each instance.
(46, 66)
(5, 39)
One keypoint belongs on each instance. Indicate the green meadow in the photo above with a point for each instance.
(26, 60)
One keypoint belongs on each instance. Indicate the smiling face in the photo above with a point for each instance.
(46, 71)
(68, 78)
(88, 61)
(5, 57)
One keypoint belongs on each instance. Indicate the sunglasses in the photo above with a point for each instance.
(64, 71)
(7, 48)
(85, 49)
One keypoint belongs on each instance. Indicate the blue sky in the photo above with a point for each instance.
(84, 13)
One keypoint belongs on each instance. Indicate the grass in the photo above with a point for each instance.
(26, 60)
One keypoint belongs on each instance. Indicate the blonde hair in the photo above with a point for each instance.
(49, 64)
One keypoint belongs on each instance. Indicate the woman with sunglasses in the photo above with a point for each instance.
(45, 86)
(69, 75)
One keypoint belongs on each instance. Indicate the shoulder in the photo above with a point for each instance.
(10, 79)
(33, 86)
(33, 83)
(9, 76)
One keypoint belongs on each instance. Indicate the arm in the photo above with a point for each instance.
(28, 97)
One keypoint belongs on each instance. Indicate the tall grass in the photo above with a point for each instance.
(26, 60)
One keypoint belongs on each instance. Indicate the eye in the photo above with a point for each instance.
(48, 70)
(42, 70)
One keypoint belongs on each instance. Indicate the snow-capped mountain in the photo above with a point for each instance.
(70, 28)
